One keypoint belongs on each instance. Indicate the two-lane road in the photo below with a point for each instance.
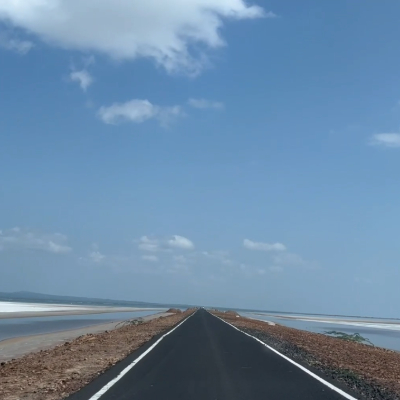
(206, 359)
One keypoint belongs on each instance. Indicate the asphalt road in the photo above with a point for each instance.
(206, 359)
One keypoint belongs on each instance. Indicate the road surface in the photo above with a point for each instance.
(207, 359)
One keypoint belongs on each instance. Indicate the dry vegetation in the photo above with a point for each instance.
(174, 311)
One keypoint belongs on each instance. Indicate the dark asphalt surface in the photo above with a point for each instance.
(206, 359)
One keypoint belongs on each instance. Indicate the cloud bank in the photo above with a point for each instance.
(174, 33)
(165, 244)
(259, 246)
(25, 239)
(385, 140)
(138, 111)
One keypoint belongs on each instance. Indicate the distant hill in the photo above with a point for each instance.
(50, 298)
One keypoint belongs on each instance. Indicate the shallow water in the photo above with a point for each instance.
(17, 327)
(382, 333)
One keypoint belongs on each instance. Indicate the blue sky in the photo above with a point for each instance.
(209, 152)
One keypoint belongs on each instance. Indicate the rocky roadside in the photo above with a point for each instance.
(372, 372)
(56, 373)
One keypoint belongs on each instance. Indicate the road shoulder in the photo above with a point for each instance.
(370, 372)
(56, 373)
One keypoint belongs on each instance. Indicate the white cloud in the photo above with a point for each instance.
(166, 31)
(250, 245)
(147, 244)
(385, 140)
(150, 258)
(180, 242)
(25, 239)
(204, 104)
(138, 111)
(83, 78)
(135, 111)
(96, 257)
(165, 244)
(18, 46)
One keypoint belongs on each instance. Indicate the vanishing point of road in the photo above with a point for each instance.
(204, 358)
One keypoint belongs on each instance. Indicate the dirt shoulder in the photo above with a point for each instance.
(54, 374)
(371, 371)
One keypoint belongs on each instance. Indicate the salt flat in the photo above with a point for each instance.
(12, 307)
(26, 310)
(394, 326)
(381, 323)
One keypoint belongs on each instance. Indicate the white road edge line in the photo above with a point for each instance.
(341, 392)
(133, 363)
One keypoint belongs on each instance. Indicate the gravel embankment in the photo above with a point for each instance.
(20, 346)
(56, 373)
(373, 372)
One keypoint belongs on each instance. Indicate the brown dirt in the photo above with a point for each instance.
(174, 310)
(56, 373)
(372, 371)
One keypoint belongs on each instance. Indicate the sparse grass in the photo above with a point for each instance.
(355, 337)
(137, 321)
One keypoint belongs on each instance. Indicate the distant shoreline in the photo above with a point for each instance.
(330, 319)
(86, 311)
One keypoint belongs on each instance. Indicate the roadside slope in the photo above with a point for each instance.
(53, 374)
(374, 372)
(18, 347)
